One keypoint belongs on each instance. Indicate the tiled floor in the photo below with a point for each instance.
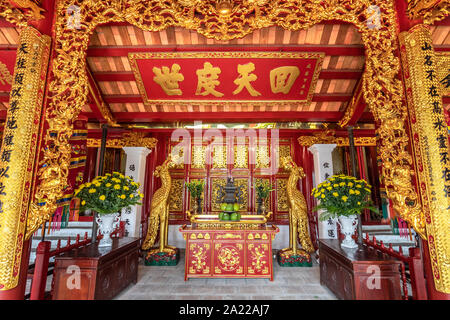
(163, 283)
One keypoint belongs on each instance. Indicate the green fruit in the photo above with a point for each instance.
(229, 207)
(220, 215)
(234, 217)
(236, 206)
(225, 216)
(239, 216)
(223, 206)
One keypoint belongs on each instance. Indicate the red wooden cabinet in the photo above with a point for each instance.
(358, 274)
(229, 253)
(90, 272)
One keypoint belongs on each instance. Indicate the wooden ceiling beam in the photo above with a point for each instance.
(136, 117)
(355, 107)
(98, 105)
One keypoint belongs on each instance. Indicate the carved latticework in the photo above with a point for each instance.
(241, 156)
(216, 183)
(176, 195)
(282, 200)
(220, 157)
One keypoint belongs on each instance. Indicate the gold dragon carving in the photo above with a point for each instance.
(382, 89)
(429, 11)
(19, 12)
(298, 212)
(159, 212)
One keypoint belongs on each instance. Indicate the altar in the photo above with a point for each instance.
(229, 252)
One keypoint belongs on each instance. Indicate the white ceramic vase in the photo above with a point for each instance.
(107, 223)
(348, 227)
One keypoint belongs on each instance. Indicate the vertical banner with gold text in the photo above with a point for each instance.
(430, 145)
(18, 149)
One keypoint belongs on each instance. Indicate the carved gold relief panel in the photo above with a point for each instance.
(243, 184)
(282, 200)
(241, 156)
(283, 150)
(215, 192)
(262, 155)
(176, 195)
(198, 158)
(219, 157)
(177, 153)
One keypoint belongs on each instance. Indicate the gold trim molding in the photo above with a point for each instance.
(327, 136)
(131, 139)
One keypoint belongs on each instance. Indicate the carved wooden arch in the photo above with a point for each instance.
(383, 91)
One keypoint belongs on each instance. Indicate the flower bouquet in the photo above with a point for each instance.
(343, 197)
(107, 195)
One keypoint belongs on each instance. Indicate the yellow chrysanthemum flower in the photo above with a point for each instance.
(368, 190)
(92, 190)
(335, 194)
(131, 195)
(350, 184)
(342, 184)
(141, 195)
(123, 196)
(358, 186)
(357, 192)
(126, 188)
(335, 185)
(359, 203)
(352, 191)
(102, 197)
(344, 198)
(322, 196)
(329, 188)
(83, 202)
(108, 185)
(117, 186)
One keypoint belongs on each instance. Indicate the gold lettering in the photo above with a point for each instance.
(207, 80)
(168, 79)
(282, 78)
(245, 78)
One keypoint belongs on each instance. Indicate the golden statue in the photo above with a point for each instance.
(159, 212)
(298, 214)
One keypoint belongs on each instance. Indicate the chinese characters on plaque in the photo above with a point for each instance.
(186, 77)
(438, 119)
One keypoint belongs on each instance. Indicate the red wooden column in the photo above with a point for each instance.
(18, 293)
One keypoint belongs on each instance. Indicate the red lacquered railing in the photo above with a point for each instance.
(43, 255)
(414, 261)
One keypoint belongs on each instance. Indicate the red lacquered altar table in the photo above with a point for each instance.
(229, 253)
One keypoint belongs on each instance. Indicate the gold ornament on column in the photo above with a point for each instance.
(298, 213)
(159, 212)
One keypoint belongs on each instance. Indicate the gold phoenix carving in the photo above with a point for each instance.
(298, 213)
(159, 213)
(68, 89)
(18, 151)
(24, 11)
(429, 129)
